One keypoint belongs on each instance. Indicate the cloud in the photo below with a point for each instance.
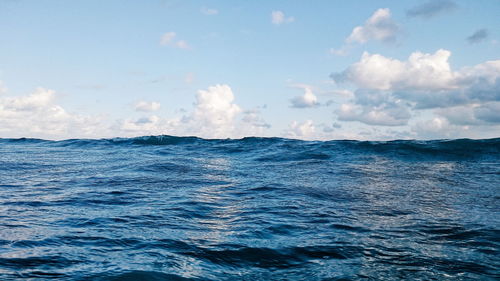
(386, 114)
(472, 114)
(215, 110)
(421, 71)
(489, 112)
(37, 115)
(253, 118)
(169, 39)
(145, 106)
(390, 91)
(308, 99)
(435, 128)
(209, 11)
(343, 51)
(278, 17)
(215, 115)
(304, 130)
(479, 36)
(379, 27)
(431, 8)
(41, 98)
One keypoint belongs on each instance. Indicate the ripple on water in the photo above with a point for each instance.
(175, 208)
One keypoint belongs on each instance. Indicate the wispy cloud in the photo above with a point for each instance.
(170, 39)
(209, 11)
(431, 8)
(145, 106)
(308, 99)
(478, 36)
(278, 18)
(379, 26)
(38, 115)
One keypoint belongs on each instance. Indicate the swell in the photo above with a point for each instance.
(277, 149)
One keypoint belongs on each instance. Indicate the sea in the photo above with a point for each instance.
(186, 208)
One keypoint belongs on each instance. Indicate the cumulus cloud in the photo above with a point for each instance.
(308, 99)
(214, 111)
(379, 27)
(435, 128)
(209, 11)
(420, 71)
(478, 36)
(390, 91)
(431, 8)
(381, 115)
(253, 118)
(304, 130)
(216, 115)
(472, 114)
(38, 115)
(170, 39)
(278, 17)
(146, 106)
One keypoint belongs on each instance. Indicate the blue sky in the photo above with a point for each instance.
(372, 70)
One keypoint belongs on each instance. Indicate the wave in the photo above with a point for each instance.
(299, 149)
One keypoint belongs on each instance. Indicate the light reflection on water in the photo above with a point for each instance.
(264, 209)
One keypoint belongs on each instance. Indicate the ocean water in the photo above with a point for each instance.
(184, 208)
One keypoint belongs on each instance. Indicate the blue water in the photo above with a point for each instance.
(184, 208)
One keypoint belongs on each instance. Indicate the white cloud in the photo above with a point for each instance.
(182, 44)
(146, 106)
(149, 125)
(343, 93)
(304, 130)
(37, 115)
(435, 128)
(426, 80)
(420, 72)
(308, 99)
(391, 92)
(278, 17)
(254, 118)
(378, 27)
(383, 115)
(343, 51)
(215, 115)
(472, 114)
(169, 39)
(209, 11)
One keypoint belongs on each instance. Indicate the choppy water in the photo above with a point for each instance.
(171, 208)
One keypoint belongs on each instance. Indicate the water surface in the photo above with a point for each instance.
(184, 208)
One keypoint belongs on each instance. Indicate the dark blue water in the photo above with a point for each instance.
(170, 208)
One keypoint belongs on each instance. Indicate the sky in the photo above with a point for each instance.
(313, 70)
